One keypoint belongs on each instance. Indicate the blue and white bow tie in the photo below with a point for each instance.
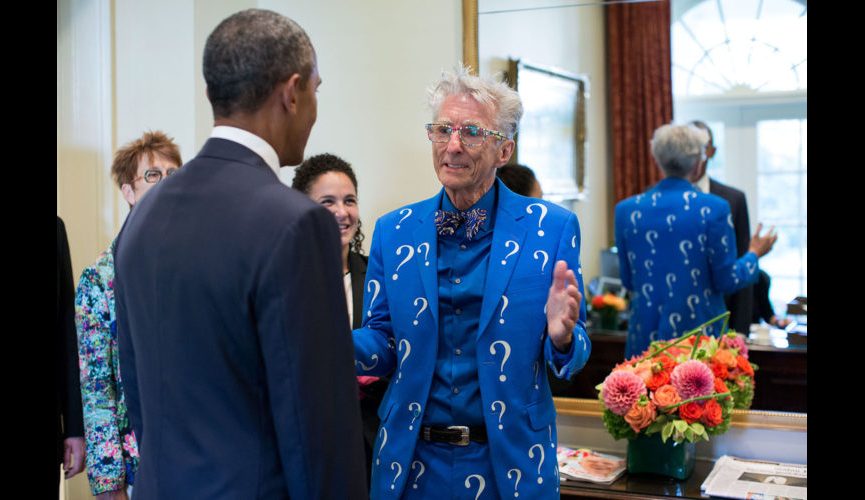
(448, 222)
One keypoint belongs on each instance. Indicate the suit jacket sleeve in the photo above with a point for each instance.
(728, 273)
(373, 343)
(304, 334)
(622, 248)
(566, 365)
(71, 400)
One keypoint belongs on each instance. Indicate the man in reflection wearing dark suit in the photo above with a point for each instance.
(230, 304)
(741, 303)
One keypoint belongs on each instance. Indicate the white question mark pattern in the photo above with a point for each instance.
(541, 218)
(647, 288)
(502, 313)
(502, 406)
(407, 212)
(636, 214)
(532, 455)
(515, 250)
(383, 442)
(704, 211)
(398, 472)
(675, 319)
(374, 295)
(482, 484)
(686, 195)
(423, 307)
(407, 258)
(695, 273)
(426, 254)
(682, 245)
(670, 219)
(652, 235)
(649, 263)
(507, 348)
(671, 278)
(655, 197)
(421, 470)
(519, 475)
(546, 258)
(404, 356)
(696, 300)
(374, 358)
(414, 415)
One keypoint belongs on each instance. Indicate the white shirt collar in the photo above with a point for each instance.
(258, 145)
(702, 183)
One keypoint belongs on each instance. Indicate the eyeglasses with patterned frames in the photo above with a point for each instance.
(470, 135)
(154, 175)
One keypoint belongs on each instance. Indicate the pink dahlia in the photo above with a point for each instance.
(736, 342)
(692, 379)
(621, 390)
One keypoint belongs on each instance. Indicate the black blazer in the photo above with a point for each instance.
(229, 301)
(70, 421)
(357, 271)
(741, 303)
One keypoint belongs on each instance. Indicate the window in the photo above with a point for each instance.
(741, 67)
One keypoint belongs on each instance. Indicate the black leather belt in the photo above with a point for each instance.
(458, 435)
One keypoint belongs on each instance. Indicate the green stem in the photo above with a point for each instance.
(690, 333)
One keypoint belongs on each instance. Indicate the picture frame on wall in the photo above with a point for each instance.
(552, 136)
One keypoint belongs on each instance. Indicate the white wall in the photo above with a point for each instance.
(571, 39)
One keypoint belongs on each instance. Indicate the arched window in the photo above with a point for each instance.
(741, 67)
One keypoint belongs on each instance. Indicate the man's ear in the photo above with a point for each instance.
(289, 93)
(128, 194)
(506, 152)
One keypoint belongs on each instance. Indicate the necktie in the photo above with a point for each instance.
(448, 222)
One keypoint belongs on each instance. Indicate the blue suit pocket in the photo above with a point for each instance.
(541, 414)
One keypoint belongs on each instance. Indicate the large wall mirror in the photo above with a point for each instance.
(738, 65)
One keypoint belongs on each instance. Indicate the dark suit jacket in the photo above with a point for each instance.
(68, 388)
(229, 301)
(741, 303)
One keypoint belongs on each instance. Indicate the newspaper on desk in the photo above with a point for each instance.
(583, 464)
(733, 477)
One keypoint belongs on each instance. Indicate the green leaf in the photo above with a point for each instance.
(698, 428)
(680, 425)
(667, 431)
(689, 434)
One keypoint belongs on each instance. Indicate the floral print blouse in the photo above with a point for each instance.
(112, 453)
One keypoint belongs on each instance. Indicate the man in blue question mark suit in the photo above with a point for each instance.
(677, 248)
(468, 295)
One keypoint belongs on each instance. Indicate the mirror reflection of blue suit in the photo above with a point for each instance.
(677, 256)
(390, 343)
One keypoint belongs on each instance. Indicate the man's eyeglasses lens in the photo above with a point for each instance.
(470, 135)
(154, 176)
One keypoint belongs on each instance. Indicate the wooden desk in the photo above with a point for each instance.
(781, 380)
(641, 486)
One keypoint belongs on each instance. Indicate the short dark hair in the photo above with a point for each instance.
(248, 54)
(518, 178)
(314, 167)
(124, 168)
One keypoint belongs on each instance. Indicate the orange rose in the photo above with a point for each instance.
(644, 371)
(657, 380)
(712, 415)
(640, 415)
(720, 386)
(725, 357)
(666, 395)
(691, 412)
(745, 366)
(719, 370)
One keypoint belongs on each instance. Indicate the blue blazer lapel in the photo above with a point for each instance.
(508, 235)
(426, 245)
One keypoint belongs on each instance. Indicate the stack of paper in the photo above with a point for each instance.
(583, 464)
(754, 479)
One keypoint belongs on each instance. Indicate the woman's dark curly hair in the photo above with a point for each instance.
(312, 168)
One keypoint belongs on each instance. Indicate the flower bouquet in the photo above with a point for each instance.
(608, 306)
(684, 389)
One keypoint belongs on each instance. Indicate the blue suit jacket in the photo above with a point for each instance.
(400, 335)
(230, 307)
(677, 254)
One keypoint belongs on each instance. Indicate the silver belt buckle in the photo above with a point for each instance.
(464, 434)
